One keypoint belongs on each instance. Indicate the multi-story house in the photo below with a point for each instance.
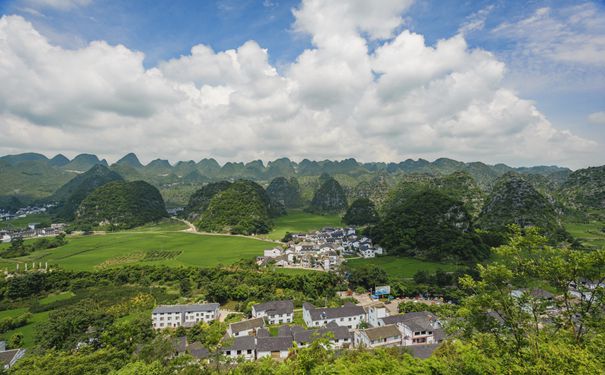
(349, 315)
(172, 316)
(275, 312)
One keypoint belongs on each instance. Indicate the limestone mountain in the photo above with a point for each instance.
(121, 205)
(242, 208)
(200, 200)
(329, 198)
(514, 200)
(285, 192)
(58, 160)
(84, 162)
(429, 225)
(70, 195)
(130, 159)
(584, 189)
(361, 212)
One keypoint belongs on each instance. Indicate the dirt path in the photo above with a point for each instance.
(193, 230)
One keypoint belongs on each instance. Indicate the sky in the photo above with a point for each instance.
(518, 82)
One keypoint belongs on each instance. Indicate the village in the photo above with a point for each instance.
(324, 250)
(346, 327)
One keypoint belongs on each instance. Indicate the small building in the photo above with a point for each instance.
(173, 316)
(385, 336)
(6, 238)
(376, 311)
(349, 315)
(198, 351)
(339, 337)
(417, 328)
(8, 358)
(275, 347)
(272, 253)
(275, 312)
(240, 347)
(245, 327)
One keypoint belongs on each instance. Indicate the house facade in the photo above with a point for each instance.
(349, 315)
(377, 337)
(245, 327)
(173, 316)
(275, 312)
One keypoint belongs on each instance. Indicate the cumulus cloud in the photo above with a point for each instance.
(337, 99)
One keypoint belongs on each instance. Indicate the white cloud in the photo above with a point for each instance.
(597, 118)
(476, 21)
(336, 100)
(57, 4)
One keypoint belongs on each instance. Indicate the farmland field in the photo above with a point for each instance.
(125, 248)
(401, 267)
(300, 221)
(590, 234)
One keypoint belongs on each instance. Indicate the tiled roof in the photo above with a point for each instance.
(306, 336)
(273, 344)
(321, 313)
(421, 351)
(240, 343)
(382, 332)
(197, 350)
(7, 356)
(246, 325)
(186, 308)
(275, 307)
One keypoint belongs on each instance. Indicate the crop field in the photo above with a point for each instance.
(590, 234)
(401, 267)
(23, 222)
(167, 248)
(300, 221)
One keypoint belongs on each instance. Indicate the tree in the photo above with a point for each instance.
(361, 212)
(15, 341)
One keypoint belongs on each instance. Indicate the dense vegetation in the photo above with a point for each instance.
(429, 225)
(285, 192)
(361, 212)
(329, 198)
(585, 189)
(70, 195)
(242, 208)
(200, 199)
(514, 201)
(19, 248)
(121, 205)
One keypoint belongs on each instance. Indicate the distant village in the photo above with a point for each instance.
(32, 229)
(323, 250)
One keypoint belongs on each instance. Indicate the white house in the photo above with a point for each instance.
(339, 337)
(385, 336)
(417, 328)
(376, 311)
(272, 253)
(275, 312)
(243, 347)
(274, 347)
(245, 327)
(6, 238)
(349, 315)
(172, 316)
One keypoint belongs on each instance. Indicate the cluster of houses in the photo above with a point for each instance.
(324, 249)
(344, 327)
(24, 211)
(32, 230)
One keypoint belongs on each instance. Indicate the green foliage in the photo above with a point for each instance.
(514, 201)
(20, 248)
(429, 225)
(122, 205)
(200, 200)
(367, 277)
(10, 323)
(243, 208)
(285, 192)
(330, 198)
(584, 189)
(94, 362)
(70, 195)
(361, 212)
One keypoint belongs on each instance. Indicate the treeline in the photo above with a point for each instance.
(18, 247)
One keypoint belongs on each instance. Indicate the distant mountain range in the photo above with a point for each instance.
(32, 176)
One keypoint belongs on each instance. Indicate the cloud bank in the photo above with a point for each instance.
(402, 98)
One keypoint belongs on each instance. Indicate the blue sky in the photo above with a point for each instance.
(566, 90)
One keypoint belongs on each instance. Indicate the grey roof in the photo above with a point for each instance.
(383, 332)
(241, 343)
(321, 313)
(284, 331)
(262, 332)
(273, 344)
(439, 334)
(541, 294)
(198, 351)
(7, 356)
(306, 336)
(275, 307)
(421, 351)
(246, 325)
(416, 321)
(186, 308)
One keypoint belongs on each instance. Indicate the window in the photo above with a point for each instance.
(239, 352)
(249, 351)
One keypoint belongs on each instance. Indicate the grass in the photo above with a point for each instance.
(113, 249)
(299, 221)
(165, 225)
(23, 222)
(401, 267)
(28, 330)
(294, 271)
(56, 297)
(590, 234)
